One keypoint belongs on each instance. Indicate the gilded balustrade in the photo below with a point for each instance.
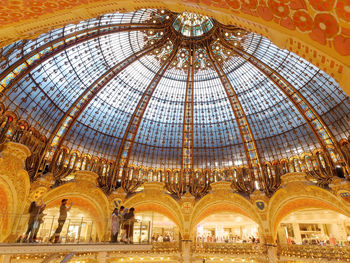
(165, 247)
(239, 249)
(314, 252)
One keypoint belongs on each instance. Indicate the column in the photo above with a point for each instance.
(14, 186)
(272, 253)
(271, 248)
(297, 235)
(5, 259)
(186, 251)
(101, 257)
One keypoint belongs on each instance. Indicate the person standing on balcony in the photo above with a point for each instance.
(40, 220)
(115, 225)
(61, 220)
(33, 211)
(129, 225)
(123, 212)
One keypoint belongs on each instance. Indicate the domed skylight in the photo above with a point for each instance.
(129, 89)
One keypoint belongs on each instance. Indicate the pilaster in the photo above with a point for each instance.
(186, 251)
(272, 254)
(101, 257)
(116, 198)
(187, 203)
(15, 154)
(14, 187)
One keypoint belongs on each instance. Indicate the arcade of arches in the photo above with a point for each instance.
(225, 124)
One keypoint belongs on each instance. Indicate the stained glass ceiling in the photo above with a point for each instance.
(126, 85)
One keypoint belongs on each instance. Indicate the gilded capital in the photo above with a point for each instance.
(292, 178)
(258, 195)
(153, 187)
(45, 181)
(86, 176)
(221, 187)
(13, 149)
(339, 184)
(117, 194)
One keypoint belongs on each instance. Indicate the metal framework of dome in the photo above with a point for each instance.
(154, 95)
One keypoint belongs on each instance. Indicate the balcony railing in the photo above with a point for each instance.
(166, 247)
(314, 252)
(239, 249)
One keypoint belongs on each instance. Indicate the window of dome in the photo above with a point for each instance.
(192, 25)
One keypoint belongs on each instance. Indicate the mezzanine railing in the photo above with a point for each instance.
(314, 253)
(249, 250)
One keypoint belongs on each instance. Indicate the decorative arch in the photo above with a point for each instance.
(225, 202)
(343, 142)
(160, 203)
(315, 30)
(11, 115)
(151, 207)
(86, 196)
(298, 196)
(219, 207)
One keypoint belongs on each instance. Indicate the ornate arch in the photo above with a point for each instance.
(315, 30)
(86, 195)
(298, 196)
(159, 202)
(223, 202)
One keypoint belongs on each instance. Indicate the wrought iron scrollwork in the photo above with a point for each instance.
(199, 183)
(323, 169)
(272, 177)
(174, 183)
(243, 180)
(131, 180)
(64, 166)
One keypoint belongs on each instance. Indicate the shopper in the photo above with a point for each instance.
(39, 221)
(115, 225)
(129, 225)
(61, 220)
(123, 212)
(33, 212)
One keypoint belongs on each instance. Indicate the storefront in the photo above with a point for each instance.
(316, 227)
(162, 229)
(228, 228)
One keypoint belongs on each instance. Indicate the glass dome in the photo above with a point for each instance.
(128, 89)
